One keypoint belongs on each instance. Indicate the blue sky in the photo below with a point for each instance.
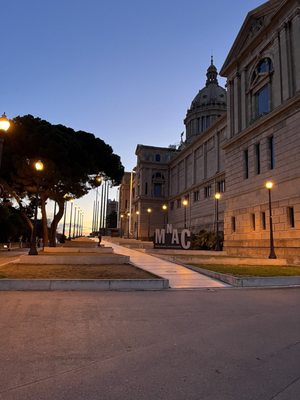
(124, 70)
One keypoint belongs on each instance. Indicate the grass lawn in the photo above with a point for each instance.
(117, 271)
(252, 270)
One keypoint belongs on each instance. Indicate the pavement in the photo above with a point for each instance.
(179, 277)
(208, 344)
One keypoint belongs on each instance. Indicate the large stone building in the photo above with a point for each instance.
(239, 147)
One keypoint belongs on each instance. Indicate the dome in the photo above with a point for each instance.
(212, 93)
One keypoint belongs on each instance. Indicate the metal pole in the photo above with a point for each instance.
(64, 225)
(70, 223)
(149, 226)
(74, 222)
(102, 208)
(77, 227)
(218, 247)
(272, 250)
(97, 211)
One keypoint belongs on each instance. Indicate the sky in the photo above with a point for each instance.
(125, 70)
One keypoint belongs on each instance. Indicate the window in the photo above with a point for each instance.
(263, 220)
(262, 101)
(157, 189)
(261, 87)
(146, 188)
(246, 164)
(178, 203)
(271, 152)
(233, 224)
(207, 191)
(257, 158)
(157, 157)
(252, 221)
(291, 217)
(196, 195)
(221, 186)
(172, 205)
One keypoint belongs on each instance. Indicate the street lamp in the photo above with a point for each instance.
(39, 166)
(269, 186)
(165, 211)
(74, 222)
(4, 125)
(128, 217)
(217, 198)
(121, 217)
(185, 203)
(149, 210)
(137, 213)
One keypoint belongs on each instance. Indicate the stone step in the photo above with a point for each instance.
(101, 250)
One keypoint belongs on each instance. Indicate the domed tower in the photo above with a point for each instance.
(207, 106)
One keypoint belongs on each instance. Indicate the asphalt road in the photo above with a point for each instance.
(216, 344)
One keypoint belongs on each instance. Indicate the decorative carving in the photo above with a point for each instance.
(256, 26)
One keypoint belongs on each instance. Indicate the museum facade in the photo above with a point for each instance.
(236, 140)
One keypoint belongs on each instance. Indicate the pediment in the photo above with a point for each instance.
(255, 22)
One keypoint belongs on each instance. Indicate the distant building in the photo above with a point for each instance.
(234, 143)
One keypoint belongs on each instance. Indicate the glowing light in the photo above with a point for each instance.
(164, 207)
(39, 166)
(217, 196)
(269, 185)
(4, 122)
(185, 202)
(149, 210)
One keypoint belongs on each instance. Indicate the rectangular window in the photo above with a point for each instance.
(246, 164)
(263, 220)
(257, 158)
(172, 205)
(221, 186)
(262, 101)
(178, 203)
(146, 188)
(252, 216)
(196, 195)
(271, 152)
(207, 191)
(233, 224)
(291, 217)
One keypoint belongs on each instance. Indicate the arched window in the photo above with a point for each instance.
(261, 80)
(157, 157)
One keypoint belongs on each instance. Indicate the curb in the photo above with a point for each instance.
(88, 284)
(270, 281)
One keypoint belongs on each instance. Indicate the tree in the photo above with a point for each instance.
(71, 159)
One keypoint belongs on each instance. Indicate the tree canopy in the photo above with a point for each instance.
(71, 159)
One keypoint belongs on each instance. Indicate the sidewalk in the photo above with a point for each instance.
(179, 277)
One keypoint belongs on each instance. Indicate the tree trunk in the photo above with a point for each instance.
(56, 219)
(44, 220)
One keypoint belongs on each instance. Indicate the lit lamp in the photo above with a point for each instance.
(39, 166)
(269, 186)
(165, 211)
(137, 213)
(121, 219)
(217, 198)
(185, 204)
(149, 210)
(4, 125)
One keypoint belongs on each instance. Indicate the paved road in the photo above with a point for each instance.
(209, 344)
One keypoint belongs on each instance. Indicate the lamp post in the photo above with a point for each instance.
(77, 226)
(185, 203)
(4, 126)
(121, 219)
(165, 211)
(128, 219)
(269, 186)
(149, 210)
(137, 213)
(217, 198)
(70, 223)
(39, 166)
